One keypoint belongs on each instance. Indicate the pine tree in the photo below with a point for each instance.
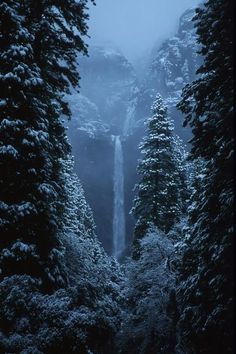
(206, 293)
(39, 42)
(149, 320)
(75, 319)
(47, 229)
(27, 223)
(78, 216)
(160, 191)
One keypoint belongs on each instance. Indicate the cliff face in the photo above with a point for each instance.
(113, 102)
(107, 81)
(174, 64)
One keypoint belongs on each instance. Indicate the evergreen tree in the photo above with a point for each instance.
(75, 319)
(39, 42)
(206, 292)
(160, 199)
(148, 325)
(27, 224)
(47, 229)
(78, 216)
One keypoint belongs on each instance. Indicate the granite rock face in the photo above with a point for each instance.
(107, 81)
(172, 66)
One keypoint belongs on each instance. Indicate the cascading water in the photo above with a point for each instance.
(118, 208)
(127, 129)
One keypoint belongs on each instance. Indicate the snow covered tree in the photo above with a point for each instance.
(161, 190)
(57, 27)
(206, 292)
(76, 318)
(39, 42)
(151, 314)
(47, 230)
(28, 224)
(78, 216)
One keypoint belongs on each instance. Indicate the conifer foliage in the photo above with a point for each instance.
(59, 290)
(39, 42)
(160, 199)
(149, 324)
(206, 292)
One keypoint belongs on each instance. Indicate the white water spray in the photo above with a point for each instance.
(118, 208)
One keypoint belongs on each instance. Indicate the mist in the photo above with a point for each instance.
(135, 26)
(116, 183)
(128, 65)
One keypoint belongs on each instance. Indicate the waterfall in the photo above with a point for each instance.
(127, 129)
(118, 209)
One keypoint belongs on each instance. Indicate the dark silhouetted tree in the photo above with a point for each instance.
(39, 43)
(206, 292)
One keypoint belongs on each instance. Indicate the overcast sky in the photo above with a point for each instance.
(135, 25)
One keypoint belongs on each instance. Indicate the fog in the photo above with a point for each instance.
(116, 96)
(134, 26)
